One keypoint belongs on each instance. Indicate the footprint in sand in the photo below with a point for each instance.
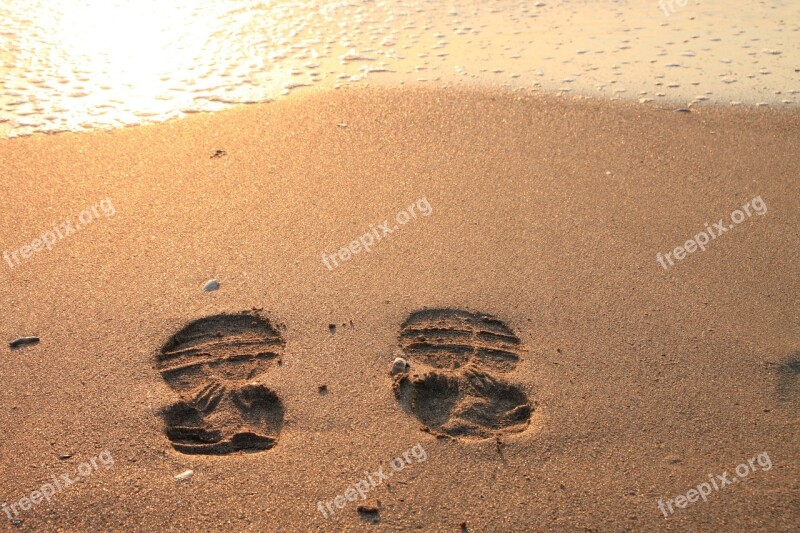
(789, 378)
(212, 363)
(451, 386)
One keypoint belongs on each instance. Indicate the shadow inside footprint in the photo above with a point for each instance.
(494, 403)
(210, 363)
(431, 398)
(454, 391)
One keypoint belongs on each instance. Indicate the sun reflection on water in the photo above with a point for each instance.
(82, 64)
(94, 63)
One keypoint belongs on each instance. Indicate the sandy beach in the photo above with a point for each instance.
(581, 357)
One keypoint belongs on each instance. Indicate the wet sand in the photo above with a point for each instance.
(546, 213)
(70, 65)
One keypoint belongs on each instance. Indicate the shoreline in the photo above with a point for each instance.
(80, 78)
(456, 89)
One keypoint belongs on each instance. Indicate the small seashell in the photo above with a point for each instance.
(399, 366)
(211, 285)
(184, 476)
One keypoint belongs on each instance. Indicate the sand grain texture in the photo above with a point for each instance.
(546, 213)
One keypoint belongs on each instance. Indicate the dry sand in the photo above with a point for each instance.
(546, 213)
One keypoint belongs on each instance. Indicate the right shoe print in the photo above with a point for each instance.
(452, 385)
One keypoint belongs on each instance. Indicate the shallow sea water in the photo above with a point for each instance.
(71, 65)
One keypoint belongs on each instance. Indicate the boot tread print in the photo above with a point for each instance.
(453, 388)
(212, 364)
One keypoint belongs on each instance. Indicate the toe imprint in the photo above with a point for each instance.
(452, 338)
